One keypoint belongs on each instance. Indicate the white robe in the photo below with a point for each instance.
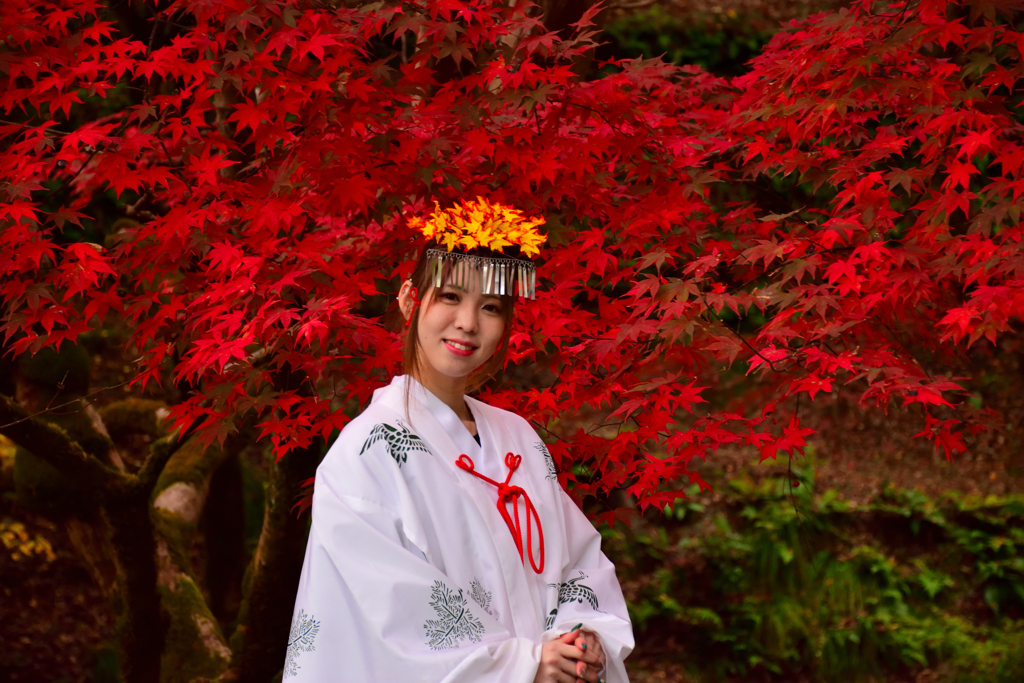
(411, 573)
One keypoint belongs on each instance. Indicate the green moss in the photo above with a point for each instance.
(191, 464)
(254, 495)
(42, 488)
(187, 656)
(177, 533)
(133, 416)
(79, 428)
(107, 668)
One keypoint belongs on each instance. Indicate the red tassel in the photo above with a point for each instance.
(513, 493)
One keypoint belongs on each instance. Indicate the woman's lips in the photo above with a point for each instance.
(458, 351)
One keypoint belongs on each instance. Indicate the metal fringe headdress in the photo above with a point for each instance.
(479, 224)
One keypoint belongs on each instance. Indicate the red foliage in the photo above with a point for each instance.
(832, 218)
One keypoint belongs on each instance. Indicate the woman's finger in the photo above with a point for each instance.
(594, 643)
(590, 655)
(567, 668)
(586, 673)
(560, 671)
(570, 636)
(570, 650)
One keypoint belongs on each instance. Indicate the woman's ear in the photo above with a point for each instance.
(407, 299)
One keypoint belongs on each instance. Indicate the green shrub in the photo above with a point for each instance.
(784, 582)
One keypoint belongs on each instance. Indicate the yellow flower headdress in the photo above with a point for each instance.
(491, 226)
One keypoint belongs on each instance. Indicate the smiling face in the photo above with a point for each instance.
(455, 339)
(457, 331)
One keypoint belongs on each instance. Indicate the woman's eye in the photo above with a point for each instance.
(449, 296)
(491, 308)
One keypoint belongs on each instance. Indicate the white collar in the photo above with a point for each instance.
(422, 398)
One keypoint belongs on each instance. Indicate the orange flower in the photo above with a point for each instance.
(481, 224)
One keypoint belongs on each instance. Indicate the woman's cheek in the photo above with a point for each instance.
(495, 337)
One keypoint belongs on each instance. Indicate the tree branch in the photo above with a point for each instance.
(181, 495)
(160, 453)
(53, 445)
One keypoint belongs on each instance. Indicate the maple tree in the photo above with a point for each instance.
(844, 215)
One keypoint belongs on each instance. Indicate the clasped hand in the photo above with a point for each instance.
(573, 657)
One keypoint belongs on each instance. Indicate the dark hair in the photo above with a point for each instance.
(421, 280)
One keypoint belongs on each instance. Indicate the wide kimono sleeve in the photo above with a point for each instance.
(589, 593)
(370, 606)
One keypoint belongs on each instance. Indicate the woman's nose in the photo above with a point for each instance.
(466, 318)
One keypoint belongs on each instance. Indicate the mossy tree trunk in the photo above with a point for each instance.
(273, 574)
(124, 503)
(142, 625)
(195, 647)
(150, 520)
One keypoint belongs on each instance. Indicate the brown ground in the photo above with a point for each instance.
(55, 623)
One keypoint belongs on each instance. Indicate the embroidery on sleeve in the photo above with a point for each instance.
(574, 591)
(398, 440)
(300, 639)
(480, 596)
(454, 621)
(550, 621)
(552, 470)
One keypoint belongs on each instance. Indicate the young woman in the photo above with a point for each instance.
(442, 547)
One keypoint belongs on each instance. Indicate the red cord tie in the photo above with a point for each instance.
(513, 493)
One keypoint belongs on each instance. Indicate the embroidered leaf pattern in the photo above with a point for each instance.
(480, 596)
(552, 470)
(574, 591)
(550, 621)
(399, 441)
(300, 639)
(454, 621)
